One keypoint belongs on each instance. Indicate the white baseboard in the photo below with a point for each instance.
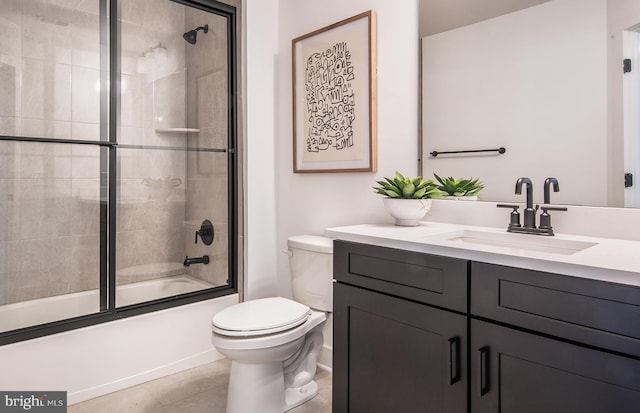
(145, 376)
(325, 361)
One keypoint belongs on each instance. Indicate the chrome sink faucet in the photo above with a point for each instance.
(529, 224)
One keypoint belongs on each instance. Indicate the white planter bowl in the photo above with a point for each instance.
(407, 212)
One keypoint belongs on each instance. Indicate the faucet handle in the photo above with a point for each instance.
(545, 217)
(514, 217)
(548, 207)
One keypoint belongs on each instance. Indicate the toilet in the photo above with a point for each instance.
(274, 343)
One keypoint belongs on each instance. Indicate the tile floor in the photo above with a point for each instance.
(199, 390)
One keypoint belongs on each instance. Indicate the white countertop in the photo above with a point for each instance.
(611, 260)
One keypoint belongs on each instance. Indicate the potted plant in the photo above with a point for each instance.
(407, 199)
(459, 188)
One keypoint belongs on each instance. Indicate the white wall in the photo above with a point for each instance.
(308, 203)
(260, 150)
(533, 81)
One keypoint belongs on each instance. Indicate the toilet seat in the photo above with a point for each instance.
(260, 317)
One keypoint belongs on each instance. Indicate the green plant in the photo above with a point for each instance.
(404, 187)
(459, 187)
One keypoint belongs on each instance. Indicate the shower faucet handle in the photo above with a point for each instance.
(206, 232)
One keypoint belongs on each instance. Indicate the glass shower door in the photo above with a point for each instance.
(173, 173)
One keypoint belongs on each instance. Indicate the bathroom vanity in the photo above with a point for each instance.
(425, 320)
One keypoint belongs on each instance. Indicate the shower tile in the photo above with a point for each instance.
(85, 95)
(33, 86)
(169, 102)
(85, 131)
(85, 39)
(130, 164)
(136, 11)
(42, 160)
(86, 190)
(168, 19)
(165, 165)
(85, 162)
(130, 249)
(10, 211)
(45, 208)
(12, 106)
(46, 90)
(84, 262)
(131, 216)
(9, 163)
(9, 82)
(87, 6)
(46, 31)
(11, 27)
(40, 128)
(62, 93)
(132, 192)
(131, 101)
(131, 136)
(10, 259)
(10, 126)
(85, 213)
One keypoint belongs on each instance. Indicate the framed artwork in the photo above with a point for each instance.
(334, 97)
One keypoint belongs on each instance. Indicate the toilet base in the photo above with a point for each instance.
(256, 388)
(295, 396)
(259, 388)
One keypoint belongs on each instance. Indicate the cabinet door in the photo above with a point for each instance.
(395, 355)
(518, 372)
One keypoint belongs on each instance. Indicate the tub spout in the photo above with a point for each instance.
(196, 260)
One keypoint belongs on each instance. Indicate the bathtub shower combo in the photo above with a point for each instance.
(115, 201)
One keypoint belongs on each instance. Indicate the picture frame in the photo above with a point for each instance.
(335, 97)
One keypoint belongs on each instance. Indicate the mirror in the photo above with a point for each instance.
(543, 79)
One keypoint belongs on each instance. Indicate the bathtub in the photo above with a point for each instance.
(44, 310)
(92, 361)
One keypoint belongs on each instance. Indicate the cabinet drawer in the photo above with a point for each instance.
(587, 311)
(425, 278)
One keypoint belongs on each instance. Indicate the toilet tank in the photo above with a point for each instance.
(311, 265)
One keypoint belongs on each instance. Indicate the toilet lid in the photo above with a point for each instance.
(262, 316)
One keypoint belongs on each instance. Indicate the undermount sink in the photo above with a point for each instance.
(513, 242)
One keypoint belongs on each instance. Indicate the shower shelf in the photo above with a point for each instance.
(178, 130)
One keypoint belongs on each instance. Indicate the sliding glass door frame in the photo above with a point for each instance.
(110, 99)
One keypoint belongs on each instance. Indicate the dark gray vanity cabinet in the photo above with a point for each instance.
(415, 332)
(544, 342)
(393, 350)
(519, 372)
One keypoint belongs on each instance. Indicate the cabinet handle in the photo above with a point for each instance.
(454, 360)
(485, 373)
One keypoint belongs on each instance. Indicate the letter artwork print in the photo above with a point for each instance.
(330, 100)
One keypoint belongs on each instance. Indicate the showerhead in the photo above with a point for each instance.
(191, 35)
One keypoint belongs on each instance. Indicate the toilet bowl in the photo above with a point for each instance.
(274, 343)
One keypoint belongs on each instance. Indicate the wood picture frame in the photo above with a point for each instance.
(335, 97)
